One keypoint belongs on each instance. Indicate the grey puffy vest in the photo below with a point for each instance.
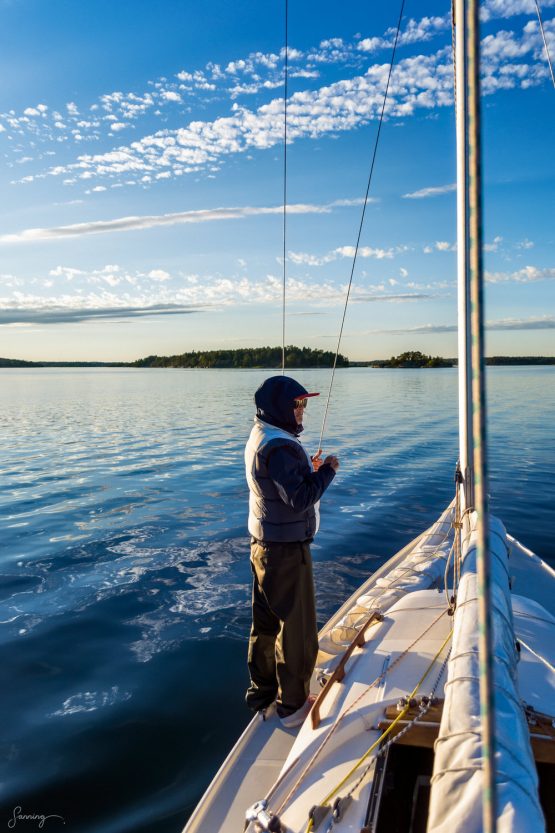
(270, 519)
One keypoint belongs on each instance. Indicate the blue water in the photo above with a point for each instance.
(124, 571)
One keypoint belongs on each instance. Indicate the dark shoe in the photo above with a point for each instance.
(256, 706)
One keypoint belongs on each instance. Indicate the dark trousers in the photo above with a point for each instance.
(283, 642)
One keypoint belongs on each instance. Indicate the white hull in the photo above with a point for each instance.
(299, 768)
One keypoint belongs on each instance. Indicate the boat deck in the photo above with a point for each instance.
(266, 753)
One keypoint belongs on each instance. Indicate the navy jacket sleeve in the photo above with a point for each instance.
(297, 488)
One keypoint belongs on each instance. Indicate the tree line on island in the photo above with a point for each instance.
(271, 357)
(412, 358)
(248, 357)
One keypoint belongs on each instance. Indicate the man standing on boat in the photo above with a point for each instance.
(285, 489)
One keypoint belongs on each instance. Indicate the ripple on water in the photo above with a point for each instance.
(125, 579)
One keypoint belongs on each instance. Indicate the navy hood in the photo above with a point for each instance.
(274, 402)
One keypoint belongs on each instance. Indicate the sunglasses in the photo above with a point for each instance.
(300, 403)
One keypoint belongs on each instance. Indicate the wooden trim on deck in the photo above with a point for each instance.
(424, 733)
(339, 673)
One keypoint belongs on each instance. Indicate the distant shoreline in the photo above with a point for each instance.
(492, 361)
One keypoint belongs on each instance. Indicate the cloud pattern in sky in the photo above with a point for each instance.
(126, 139)
(510, 59)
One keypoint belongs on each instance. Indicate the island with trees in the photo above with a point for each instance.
(271, 357)
(413, 358)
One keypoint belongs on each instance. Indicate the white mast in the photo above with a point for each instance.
(465, 342)
(473, 452)
(466, 796)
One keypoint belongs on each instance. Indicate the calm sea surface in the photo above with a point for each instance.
(124, 573)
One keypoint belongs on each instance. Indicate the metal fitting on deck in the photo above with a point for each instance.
(263, 820)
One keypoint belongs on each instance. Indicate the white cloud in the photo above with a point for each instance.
(542, 322)
(412, 32)
(159, 275)
(306, 259)
(418, 82)
(526, 275)
(491, 9)
(494, 246)
(139, 295)
(170, 95)
(150, 221)
(433, 191)
(304, 73)
(444, 246)
(99, 307)
(66, 272)
(369, 251)
(424, 81)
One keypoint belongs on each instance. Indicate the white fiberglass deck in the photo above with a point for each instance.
(267, 753)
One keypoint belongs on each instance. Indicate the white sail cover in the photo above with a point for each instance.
(456, 796)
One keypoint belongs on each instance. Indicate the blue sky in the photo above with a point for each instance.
(141, 171)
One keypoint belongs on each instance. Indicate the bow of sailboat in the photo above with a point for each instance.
(367, 750)
(434, 683)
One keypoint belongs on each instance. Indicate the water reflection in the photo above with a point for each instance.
(125, 561)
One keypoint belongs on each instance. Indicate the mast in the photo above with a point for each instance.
(472, 404)
(464, 335)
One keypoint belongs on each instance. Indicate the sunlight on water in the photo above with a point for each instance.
(125, 554)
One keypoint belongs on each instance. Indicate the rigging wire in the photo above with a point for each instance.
(454, 51)
(385, 733)
(545, 42)
(285, 79)
(350, 708)
(362, 218)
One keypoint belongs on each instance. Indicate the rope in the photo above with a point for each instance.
(378, 680)
(456, 548)
(423, 709)
(384, 734)
(545, 42)
(362, 218)
(539, 656)
(285, 80)
(480, 462)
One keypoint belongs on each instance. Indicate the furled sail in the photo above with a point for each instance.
(457, 782)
